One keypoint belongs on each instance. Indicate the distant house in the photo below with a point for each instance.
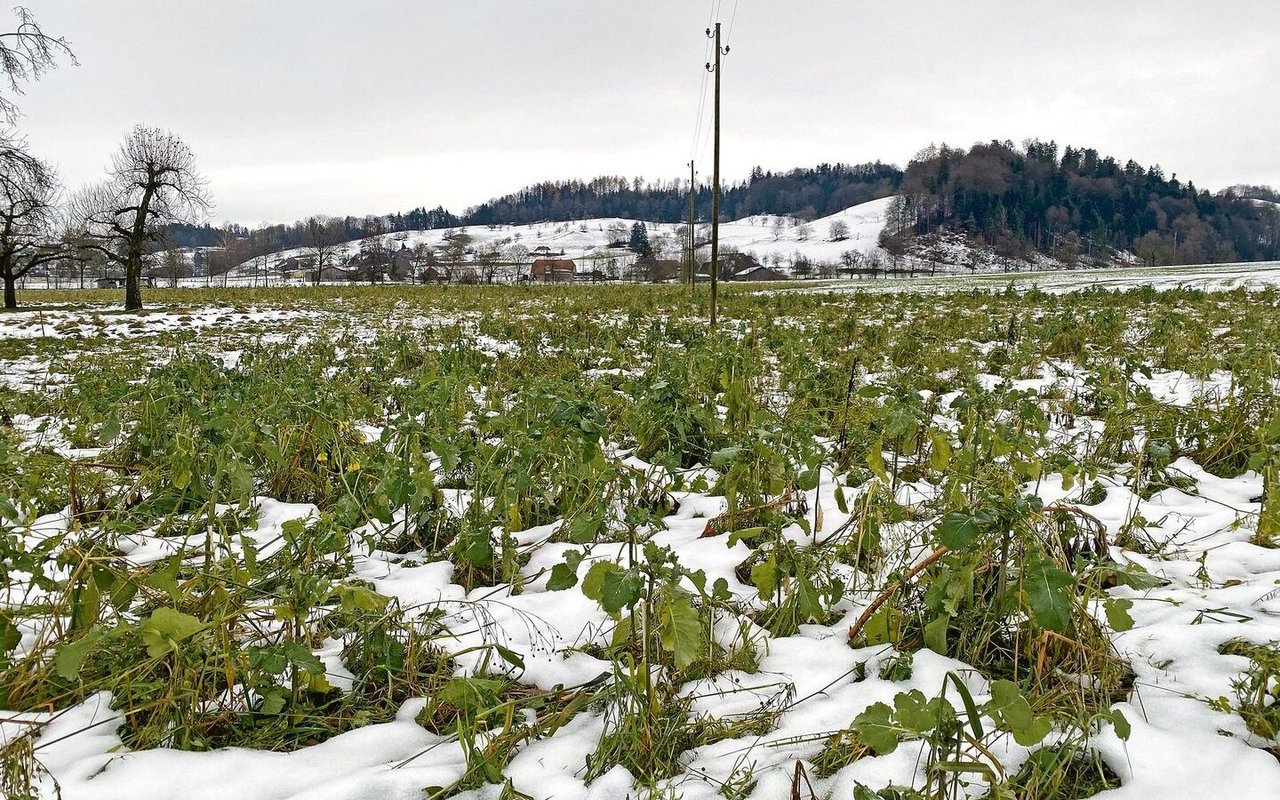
(758, 274)
(433, 275)
(553, 269)
(665, 269)
(402, 263)
(594, 276)
(730, 264)
(294, 264)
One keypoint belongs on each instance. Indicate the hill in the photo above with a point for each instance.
(993, 206)
(806, 193)
(1021, 201)
(847, 242)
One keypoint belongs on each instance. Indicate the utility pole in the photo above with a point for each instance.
(715, 178)
(691, 267)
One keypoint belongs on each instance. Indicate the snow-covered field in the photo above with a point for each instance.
(1206, 277)
(1219, 587)
(1198, 537)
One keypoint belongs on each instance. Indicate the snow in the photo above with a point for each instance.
(756, 235)
(588, 241)
(1177, 738)
(1249, 276)
(1219, 586)
(91, 321)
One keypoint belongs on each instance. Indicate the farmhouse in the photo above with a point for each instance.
(730, 264)
(430, 274)
(758, 273)
(553, 269)
(665, 269)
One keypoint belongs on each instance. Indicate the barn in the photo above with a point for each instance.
(553, 269)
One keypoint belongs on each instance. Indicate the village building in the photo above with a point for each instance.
(553, 269)
(758, 273)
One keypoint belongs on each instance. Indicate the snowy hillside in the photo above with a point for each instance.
(848, 238)
(765, 237)
(585, 240)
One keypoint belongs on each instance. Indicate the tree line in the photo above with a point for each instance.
(805, 192)
(1077, 202)
(290, 235)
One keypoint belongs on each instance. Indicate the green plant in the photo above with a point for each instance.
(959, 745)
(1258, 687)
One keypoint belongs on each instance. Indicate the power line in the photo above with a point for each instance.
(702, 92)
(732, 17)
(702, 106)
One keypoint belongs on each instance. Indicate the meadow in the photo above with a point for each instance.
(499, 542)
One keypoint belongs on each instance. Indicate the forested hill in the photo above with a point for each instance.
(806, 193)
(1018, 199)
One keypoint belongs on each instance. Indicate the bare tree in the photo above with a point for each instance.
(28, 218)
(229, 255)
(489, 260)
(174, 265)
(456, 246)
(851, 262)
(517, 256)
(153, 182)
(25, 54)
(323, 236)
(263, 243)
(839, 231)
(778, 228)
(373, 259)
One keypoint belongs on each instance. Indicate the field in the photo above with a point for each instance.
(564, 542)
(1206, 277)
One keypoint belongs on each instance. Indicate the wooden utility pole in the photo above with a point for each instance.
(691, 266)
(715, 179)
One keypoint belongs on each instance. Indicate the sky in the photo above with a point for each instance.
(299, 107)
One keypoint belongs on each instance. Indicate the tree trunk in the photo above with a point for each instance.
(132, 286)
(10, 292)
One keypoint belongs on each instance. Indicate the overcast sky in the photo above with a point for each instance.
(296, 107)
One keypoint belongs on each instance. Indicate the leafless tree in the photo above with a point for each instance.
(323, 237)
(153, 182)
(229, 254)
(26, 53)
(374, 257)
(517, 255)
(489, 260)
(263, 242)
(456, 246)
(28, 218)
(174, 265)
(839, 231)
